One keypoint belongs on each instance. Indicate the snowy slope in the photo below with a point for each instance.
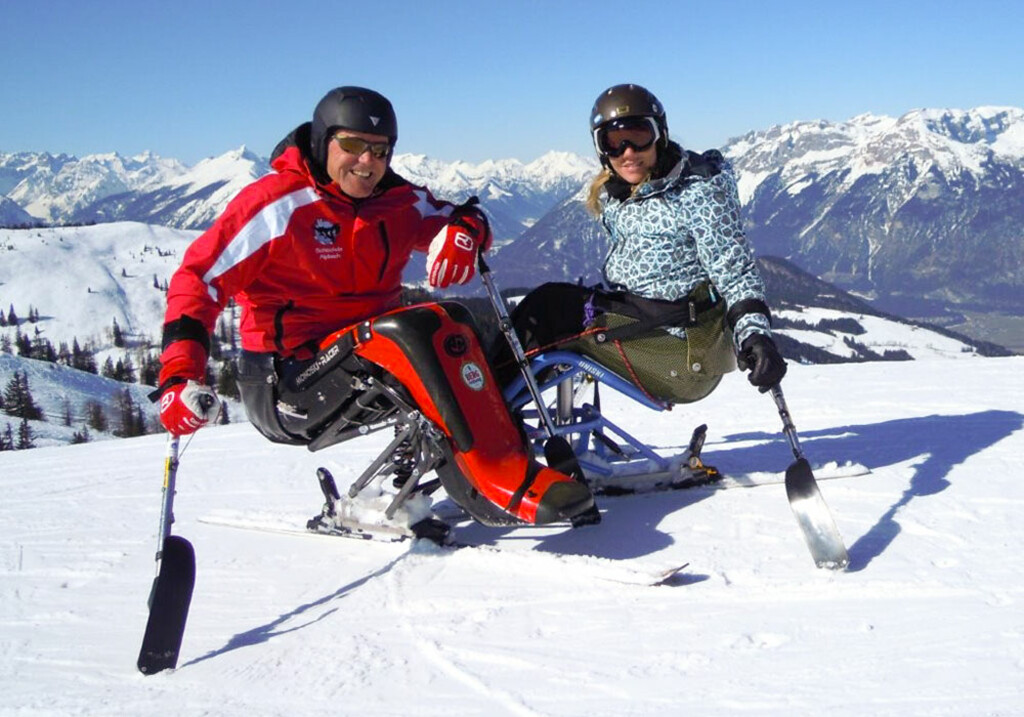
(60, 390)
(879, 334)
(927, 621)
(82, 279)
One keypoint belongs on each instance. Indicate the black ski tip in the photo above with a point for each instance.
(168, 607)
(800, 482)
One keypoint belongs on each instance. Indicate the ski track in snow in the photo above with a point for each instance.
(927, 620)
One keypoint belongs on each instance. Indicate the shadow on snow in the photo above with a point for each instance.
(941, 442)
(629, 525)
(264, 633)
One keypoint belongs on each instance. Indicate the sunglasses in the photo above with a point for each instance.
(356, 146)
(640, 133)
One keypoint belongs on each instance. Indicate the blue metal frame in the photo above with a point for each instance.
(587, 420)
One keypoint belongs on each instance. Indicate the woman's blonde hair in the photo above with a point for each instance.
(594, 193)
(594, 204)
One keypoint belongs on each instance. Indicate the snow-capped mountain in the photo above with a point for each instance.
(515, 195)
(566, 244)
(12, 215)
(146, 188)
(922, 208)
(78, 282)
(56, 189)
(927, 205)
(190, 200)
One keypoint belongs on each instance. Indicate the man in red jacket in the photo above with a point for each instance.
(313, 253)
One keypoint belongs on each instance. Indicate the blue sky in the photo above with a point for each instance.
(482, 80)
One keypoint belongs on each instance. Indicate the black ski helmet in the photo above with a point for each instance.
(629, 100)
(355, 108)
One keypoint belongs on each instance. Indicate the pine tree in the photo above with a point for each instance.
(5, 344)
(13, 398)
(128, 370)
(32, 411)
(81, 436)
(108, 370)
(140, 422)
(118, 336)
(7, 439)
(64, 354)
(149, 371)
(82, 359)
(42, 349)
(130, 415)
(25, 436)
(95, 418)
(12, 318)
(23, 344)
(3, 318)
(18, 400)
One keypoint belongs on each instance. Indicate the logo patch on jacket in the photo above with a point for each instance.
(325, 232)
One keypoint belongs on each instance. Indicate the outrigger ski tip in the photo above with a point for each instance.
(809, 508)
(815, 519)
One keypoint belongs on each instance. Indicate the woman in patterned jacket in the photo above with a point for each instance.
(679, 266)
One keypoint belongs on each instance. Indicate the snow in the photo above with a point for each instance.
(1011, 142)
(879, 335)
(58, 389)
(449, 179)
(82, 279)
(927, 620)
(955, 141)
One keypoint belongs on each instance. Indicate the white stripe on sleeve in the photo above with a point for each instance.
(267, 225)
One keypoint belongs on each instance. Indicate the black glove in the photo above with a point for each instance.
(759, 355)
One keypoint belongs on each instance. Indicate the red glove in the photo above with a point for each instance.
(451, 258)
(187, 406)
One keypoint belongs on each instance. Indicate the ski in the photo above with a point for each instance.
(682, 477)
(603, 569)
(169, 601)
(171, 592)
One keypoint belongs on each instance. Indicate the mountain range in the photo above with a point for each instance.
(925, 206)
(917, 214)
(89, 286)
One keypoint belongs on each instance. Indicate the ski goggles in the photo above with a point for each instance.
(613, 138)
(356, 146)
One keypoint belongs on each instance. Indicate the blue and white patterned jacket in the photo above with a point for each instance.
(681, 230)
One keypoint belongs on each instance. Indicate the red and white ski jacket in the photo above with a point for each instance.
(301, 258)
